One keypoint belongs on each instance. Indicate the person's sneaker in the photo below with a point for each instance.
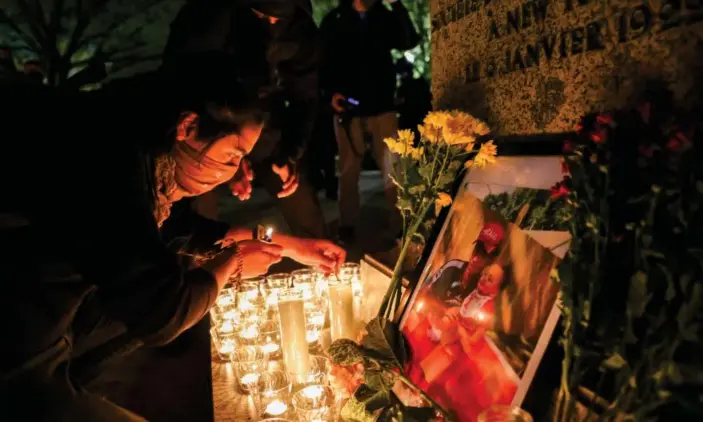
(346, 235)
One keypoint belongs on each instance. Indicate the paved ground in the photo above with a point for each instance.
(173, 384)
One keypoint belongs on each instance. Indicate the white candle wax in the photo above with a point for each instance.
(313, 391)
(291, 313)
(226, 349)
(250, 379)
(342, 311)
(270, 348)
(276, 408)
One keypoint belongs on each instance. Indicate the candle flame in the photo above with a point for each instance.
(269, 231)
(250, 332)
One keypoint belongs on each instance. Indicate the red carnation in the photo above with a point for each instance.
(599, 135)
(560, 189)
(604, 119)
(568, 146)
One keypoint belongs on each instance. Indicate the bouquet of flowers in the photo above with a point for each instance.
(631, 284)
(371, 371)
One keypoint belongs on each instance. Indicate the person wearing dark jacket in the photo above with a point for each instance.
(358, 79)
(273, 44)
(105, 232)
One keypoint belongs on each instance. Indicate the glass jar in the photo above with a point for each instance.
(502, 413)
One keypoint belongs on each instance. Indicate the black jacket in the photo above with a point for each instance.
(77, 222)
(221, 39)
(357, 54)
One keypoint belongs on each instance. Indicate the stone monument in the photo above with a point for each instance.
(533, 67)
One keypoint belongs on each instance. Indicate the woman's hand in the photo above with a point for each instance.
(257, 257)
(319, 253)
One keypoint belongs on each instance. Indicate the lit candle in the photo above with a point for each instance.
(226, 349)
(313, 391)
(276, 408)
(224, 300)
(291, 314)
(226, 327)
(230, 315)
(249, 379)
(249, 333)
(342, 321)
(312, 336)
(270, 348)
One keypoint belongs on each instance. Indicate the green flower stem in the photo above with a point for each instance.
(447, 416)
(396, 280)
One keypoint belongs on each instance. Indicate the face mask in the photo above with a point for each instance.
(197, 173)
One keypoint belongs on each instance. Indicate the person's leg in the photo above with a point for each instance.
(381, 127)
(42, 391)
(301, 210)
(350, 140)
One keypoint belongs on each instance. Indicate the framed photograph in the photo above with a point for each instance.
(480, 318)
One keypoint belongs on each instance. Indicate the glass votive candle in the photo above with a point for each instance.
(250, 294)
(305, 281)
(249, 363)
(341, 306)
(248, 334)
(503, 413)
(274, 283)
(319, 366)
(314, 403)
(312, 335)
(270, 339)
(225, 344)
(273, 391)
(225, 298)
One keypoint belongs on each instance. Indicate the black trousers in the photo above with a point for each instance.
(301, 210)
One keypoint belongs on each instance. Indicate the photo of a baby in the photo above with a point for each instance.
(482, 305)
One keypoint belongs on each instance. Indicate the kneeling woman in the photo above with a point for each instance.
(88, 229)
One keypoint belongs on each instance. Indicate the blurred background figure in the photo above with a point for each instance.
(414, 98)
(33, 71)
(358, 81)
(320, 159)
(273, 44)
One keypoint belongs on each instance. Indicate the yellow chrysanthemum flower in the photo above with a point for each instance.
(431, 133)
(443, 200)
(437, 118)
(406, 136)
(486, 155)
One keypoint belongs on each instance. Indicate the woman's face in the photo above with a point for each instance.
(202, 165)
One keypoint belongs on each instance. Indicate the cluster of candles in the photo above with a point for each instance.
(271, 328)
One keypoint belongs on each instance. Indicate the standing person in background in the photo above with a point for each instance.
(273, 44)
(320, 156)
(414, 98)
(358, 81)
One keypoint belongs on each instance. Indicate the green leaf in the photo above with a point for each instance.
(416, 190)
(638, 296)
(372, 399)
(699, 186)
(379, 379)
(670, 287)
(615, 362)
(345, 352)
(384, 343)
(404, 204)
(355, 411)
